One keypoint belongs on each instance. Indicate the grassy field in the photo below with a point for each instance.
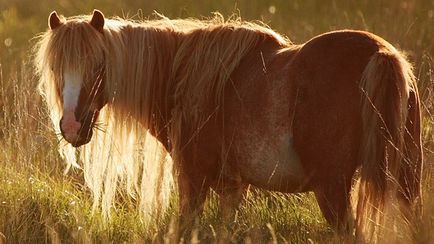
(40, 204)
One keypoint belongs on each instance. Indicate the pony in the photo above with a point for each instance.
(226, 104)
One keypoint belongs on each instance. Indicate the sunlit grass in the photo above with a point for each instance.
(36, 208)
(39, 204)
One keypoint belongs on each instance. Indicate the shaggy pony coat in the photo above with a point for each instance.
(182, 86)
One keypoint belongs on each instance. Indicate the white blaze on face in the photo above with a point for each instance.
(71, 92)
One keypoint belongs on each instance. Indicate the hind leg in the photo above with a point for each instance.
(334, 201)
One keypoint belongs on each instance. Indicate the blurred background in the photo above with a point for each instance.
(407, 24)
(38, 203)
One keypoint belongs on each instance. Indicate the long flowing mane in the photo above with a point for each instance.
(183, 64)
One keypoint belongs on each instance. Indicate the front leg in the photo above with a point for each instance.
(192, 195)
(231, 192)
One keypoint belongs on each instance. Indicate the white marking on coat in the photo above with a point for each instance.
(274, 164)
(71, 92)
(267, 154)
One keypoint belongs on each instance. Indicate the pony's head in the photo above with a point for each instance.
(75, 56)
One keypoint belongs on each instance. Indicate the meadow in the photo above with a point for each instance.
(40, 203)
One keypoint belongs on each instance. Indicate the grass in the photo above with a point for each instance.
(40, 204)
(37, 209)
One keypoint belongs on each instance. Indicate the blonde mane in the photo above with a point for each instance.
(183, 64)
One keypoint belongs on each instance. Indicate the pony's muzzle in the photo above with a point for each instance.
(70, 129)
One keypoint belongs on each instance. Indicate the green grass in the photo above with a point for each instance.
(40, 204)
(38, 208)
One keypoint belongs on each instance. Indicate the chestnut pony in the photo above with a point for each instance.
(233, 103)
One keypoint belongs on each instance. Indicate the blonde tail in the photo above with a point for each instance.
(386, 84)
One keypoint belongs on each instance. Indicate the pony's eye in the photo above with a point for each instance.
(59, 92)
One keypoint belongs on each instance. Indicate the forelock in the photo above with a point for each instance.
(75, 45)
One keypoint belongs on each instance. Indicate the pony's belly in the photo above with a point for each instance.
(274, 164)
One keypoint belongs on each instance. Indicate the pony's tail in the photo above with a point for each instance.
(385, 86)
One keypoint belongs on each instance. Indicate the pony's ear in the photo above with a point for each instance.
(97, 20)
(54, 20)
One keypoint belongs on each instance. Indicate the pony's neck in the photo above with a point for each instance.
(167, 67)
(140, 75)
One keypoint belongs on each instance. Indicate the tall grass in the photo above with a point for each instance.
(39, 203)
